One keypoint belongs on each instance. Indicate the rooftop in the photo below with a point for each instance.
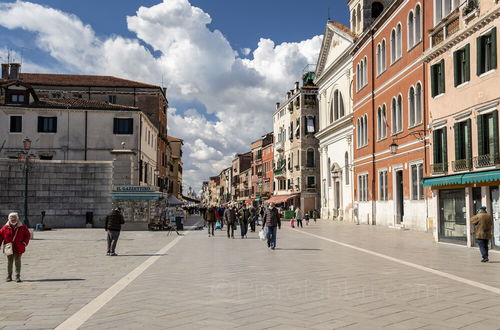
(174, 139)
(77, 103)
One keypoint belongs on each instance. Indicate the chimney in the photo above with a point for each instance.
(14, 70)
(5, 71)
(277, 105)
(297, 86)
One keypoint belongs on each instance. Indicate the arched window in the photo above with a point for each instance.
(411, 30)
(418, 24)
(379, 59)
(365, 129)
(377, 9)
(381, 122)
(331, 112)
(353, 21)
(400, 113)
(338, 104)
(399, 40)
(393, 46)
(383, 50)
(411, 107)
(418, 104)
(394, 116)
(358, 23)
(438, 11)
(346, 167)
(365, 72)
(310, 158)
(358, 77)
(362, 74)
(358, 132)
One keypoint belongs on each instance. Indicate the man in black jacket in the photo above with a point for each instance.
(113, 226)
(271, 223)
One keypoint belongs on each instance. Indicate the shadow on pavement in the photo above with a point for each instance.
(299, 249)
(141, 255)
(56, 280)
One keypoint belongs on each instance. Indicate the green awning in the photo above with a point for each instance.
(443, 180)
(488, 176)
(148, 196)
(466, 178)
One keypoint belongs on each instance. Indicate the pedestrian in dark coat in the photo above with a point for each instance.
(483, 223)
(210, 219)
(230, 220)
(271, 222)
(113, 226)
(18, 235)
(253, 219)
(243, 220)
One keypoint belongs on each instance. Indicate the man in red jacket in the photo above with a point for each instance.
(18, 235)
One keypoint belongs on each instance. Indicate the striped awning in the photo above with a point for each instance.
(463, 179)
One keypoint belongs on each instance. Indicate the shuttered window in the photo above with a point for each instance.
(47, 124)
(487, 52)
(437, 79)
(439, 146)
(487, 130)
(461, 64)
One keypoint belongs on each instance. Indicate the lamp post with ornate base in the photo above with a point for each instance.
(27, 160)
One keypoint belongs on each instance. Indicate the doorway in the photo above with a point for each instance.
(337, 199)
(495, 212)
(398, 196)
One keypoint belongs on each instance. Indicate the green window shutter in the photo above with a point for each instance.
(456, 67)
(468, 144)
(433, 80)
(495, 131)
(480, 135)
(442, 79)
(435, 144)
(467, 62)
(494, 48)
(479, 59)
(445, 147)
(457, 140)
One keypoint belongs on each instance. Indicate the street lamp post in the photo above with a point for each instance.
(26, 158)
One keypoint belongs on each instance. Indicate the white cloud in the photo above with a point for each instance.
(197, 63)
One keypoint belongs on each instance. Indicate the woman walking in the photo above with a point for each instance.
(298, 217)
(15, 236)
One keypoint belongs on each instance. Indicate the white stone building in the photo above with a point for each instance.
(333, 78)
(76, 129)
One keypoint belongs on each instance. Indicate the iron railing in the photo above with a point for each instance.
(462, 164)
(486, 160)
(439, 168)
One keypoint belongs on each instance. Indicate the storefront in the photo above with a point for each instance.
(140, 205)
(457, 198)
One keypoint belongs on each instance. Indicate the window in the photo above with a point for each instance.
(487, 130)
(442, 8)
(463, 145)
(297, 128)
(377, 9)
(346, 167)
(47, 124)
(383, 194)
(396, 43)
(310, 124)
(16, 124)
(112, 99)
(353, 21)
(399, 41)
(383, 50)
(393, 46)
(461, 64)
(362, 74)
(123, 126)
(411, 30)
(328, 169)
(418, 24)
(381, 122)
(363, 188)
(415, 105)
(362, 131)
(17, 98)
(56, 95)
(417, 188)
(290, 135)
(381, 57)
(338, 104)
(282, 184)
(487, 52)
(310, 158)
(397, 114)
(311, 181)
(437, 79)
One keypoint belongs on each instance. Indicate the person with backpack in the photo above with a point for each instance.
(243, 220)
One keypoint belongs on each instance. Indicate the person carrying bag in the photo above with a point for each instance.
(15, 236)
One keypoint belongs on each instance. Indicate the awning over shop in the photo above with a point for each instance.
(467, 178)
(443, 180)
(132, 195)
(173, 201)
(249, 201)
(279, 199)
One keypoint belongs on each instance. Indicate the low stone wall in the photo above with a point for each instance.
(65, 190)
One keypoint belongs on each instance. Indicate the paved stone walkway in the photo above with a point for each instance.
(220, 283)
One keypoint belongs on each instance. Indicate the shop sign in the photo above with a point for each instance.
(134, 188)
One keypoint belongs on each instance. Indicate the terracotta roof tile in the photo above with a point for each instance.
(50, 79)
(342, 27)
(174, 139)
(77, 103)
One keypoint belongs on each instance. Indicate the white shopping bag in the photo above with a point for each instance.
(262, 235)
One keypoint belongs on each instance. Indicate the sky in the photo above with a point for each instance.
(225, 63)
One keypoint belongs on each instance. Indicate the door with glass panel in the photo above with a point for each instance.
(452, 216)
(495, 210)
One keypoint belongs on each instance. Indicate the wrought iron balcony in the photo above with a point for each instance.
(439, 168)
(486, 160)
(462, 165)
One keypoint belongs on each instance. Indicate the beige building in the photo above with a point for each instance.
(296, 157)
(463, 100)
(76, 129)
(240, 164)
(175, 167)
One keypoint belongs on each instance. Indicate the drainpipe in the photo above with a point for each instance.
(374, 209)
(425, 113)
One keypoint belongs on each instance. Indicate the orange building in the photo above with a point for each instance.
(390, 158)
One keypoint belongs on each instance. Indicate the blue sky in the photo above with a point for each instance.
(225, 62)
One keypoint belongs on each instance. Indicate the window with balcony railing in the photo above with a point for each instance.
(487, 137)
(463, 146)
